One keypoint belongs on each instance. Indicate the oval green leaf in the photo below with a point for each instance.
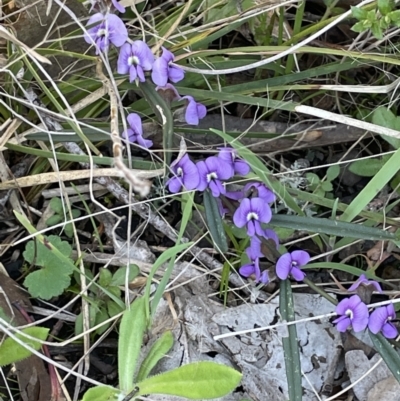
(195, 381)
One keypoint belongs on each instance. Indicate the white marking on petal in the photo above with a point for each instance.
(212, 176)
(133, 60)
(252, 216)
(349, 313)
(179, 172)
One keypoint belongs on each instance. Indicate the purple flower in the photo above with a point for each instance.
(362, 280)
(253, 269)
(353, 313)
(134, 134)
(110, 29)
(194, 111)
(241, 167)
(164, 70)
(103, 7)
(212, 171)
(289, 265)
(118, 6)
(134, 59)
(185, 174)
(261, 190)
(380, 320)
(250, 213)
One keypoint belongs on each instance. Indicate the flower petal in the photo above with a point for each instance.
(203, 171)
(144, 54)
(342, 323)
(91, 34)
(377, 319)
(297, 274)
(344, 305)
(241, 167)
(247, 270)
(176, 74)
(144, 143)
(132, 73)
(191, 177)
(262, 209)
(300, 257)
(174, 184)
(124, 54)
(118, 6)
(191, 116)
(117, 29)
(240, 215)
(389, 330)
(167, 55)
(254, 250)
(159, 74)
(216, 188)
(283, 266)
(135, 123)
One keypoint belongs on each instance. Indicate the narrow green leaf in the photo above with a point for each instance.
(331, 227)
(214, 222)
(101, 393)
(196, 381)
(384, 175)
(170, 253)
(355, 271)
(388, 353)
(290, 347)
(186, 215)
(262, 172)
(157, 351)
(131, 331)
(11, 351)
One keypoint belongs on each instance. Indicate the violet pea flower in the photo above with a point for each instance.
(212, 171)
(262, 191)
(134, 59)
(163, 70)
(289, 265)
(353, 313)
(185, 174)
(362, 280)
(253, 269)
(118, 6)
(110, 29)
(194, 111)
(240, 167)
(134, 134)
(380, 320)
(251, 213)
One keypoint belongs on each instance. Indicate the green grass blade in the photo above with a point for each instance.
(214, 222)
(187, 213)
(331, 227)
(386, 173)
(290, 347)
(388, 353)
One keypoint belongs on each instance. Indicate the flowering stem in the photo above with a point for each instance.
(320, 291)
